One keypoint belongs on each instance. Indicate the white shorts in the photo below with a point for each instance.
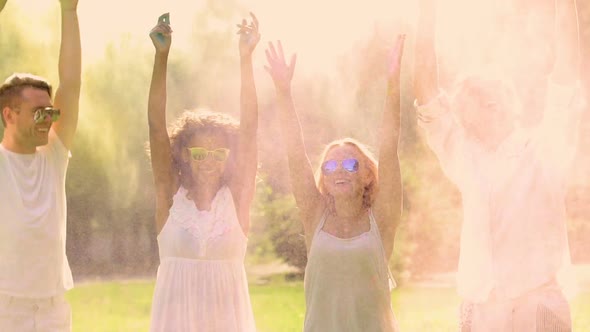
(19, 314)
(544, 309)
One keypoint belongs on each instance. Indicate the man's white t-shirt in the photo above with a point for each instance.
(514, 235)
(33, 262)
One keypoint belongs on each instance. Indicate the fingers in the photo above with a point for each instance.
(281, 54)
(243, 27)
(246, 28)
(162, 28)
(268, 57)
(161, 36)
(273, 56)
(272, 50)
(292, 63)
(254, 21)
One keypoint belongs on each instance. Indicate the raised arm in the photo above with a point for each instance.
(426, 86)
(67, 96)
(563, 105)
(165, 181)
(306, 193)
(2, 4)
(243, 183)
(388, 202)
(566, 69)
(433, 111)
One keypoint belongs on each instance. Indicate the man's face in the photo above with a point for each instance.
(484, 112)
(28, 133)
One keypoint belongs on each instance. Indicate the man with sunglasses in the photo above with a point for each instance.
(34, 153)
(514, 261)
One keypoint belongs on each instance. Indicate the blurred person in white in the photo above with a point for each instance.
(514, 262)
(34, 154)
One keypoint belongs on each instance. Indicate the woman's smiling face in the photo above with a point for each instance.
(210, 169)
(343, 182)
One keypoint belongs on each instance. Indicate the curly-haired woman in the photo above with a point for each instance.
(204, 174)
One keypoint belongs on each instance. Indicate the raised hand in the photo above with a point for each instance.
(68, 4)
(278, 69)
(161, 36)
(249, 36)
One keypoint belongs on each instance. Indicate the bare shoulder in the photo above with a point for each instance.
(311, 217)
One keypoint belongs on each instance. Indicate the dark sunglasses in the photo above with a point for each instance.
(351, 165)
(42, 113)
(200, 153)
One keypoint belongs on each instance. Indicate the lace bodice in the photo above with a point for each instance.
(192, 233)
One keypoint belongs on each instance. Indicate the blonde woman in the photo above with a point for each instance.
(350, 215)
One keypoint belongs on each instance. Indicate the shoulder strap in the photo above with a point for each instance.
(321, 223)
(309, 241)
(375, 230)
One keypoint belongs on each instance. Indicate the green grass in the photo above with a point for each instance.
(278, 306)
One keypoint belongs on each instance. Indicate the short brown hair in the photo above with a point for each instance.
(13, 86)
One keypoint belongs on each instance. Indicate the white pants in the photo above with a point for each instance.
(544, 309)
(19, 314)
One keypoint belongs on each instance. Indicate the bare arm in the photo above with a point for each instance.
(567, 52)
(388, 202)
(426, 85)
(243, 183)
(67, 96)
(161, 156)
(306, 193)
(434, 114)
(564, 105)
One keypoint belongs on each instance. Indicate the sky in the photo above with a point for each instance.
(318, 31)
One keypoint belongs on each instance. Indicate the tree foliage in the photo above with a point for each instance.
(109, 184)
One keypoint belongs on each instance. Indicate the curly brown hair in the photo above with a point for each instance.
(15, 84)
(201, 121)
(368, 160)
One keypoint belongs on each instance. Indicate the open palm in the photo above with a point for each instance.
(249, 36)
(278, 69)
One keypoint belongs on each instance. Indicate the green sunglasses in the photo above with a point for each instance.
(199, 153)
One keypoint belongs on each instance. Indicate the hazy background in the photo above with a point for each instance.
(338, 89)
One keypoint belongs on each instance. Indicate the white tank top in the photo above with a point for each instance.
(348, 283)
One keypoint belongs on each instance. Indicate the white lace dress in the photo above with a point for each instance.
(201, 283)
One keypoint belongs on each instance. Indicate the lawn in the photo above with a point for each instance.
(278, 306)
